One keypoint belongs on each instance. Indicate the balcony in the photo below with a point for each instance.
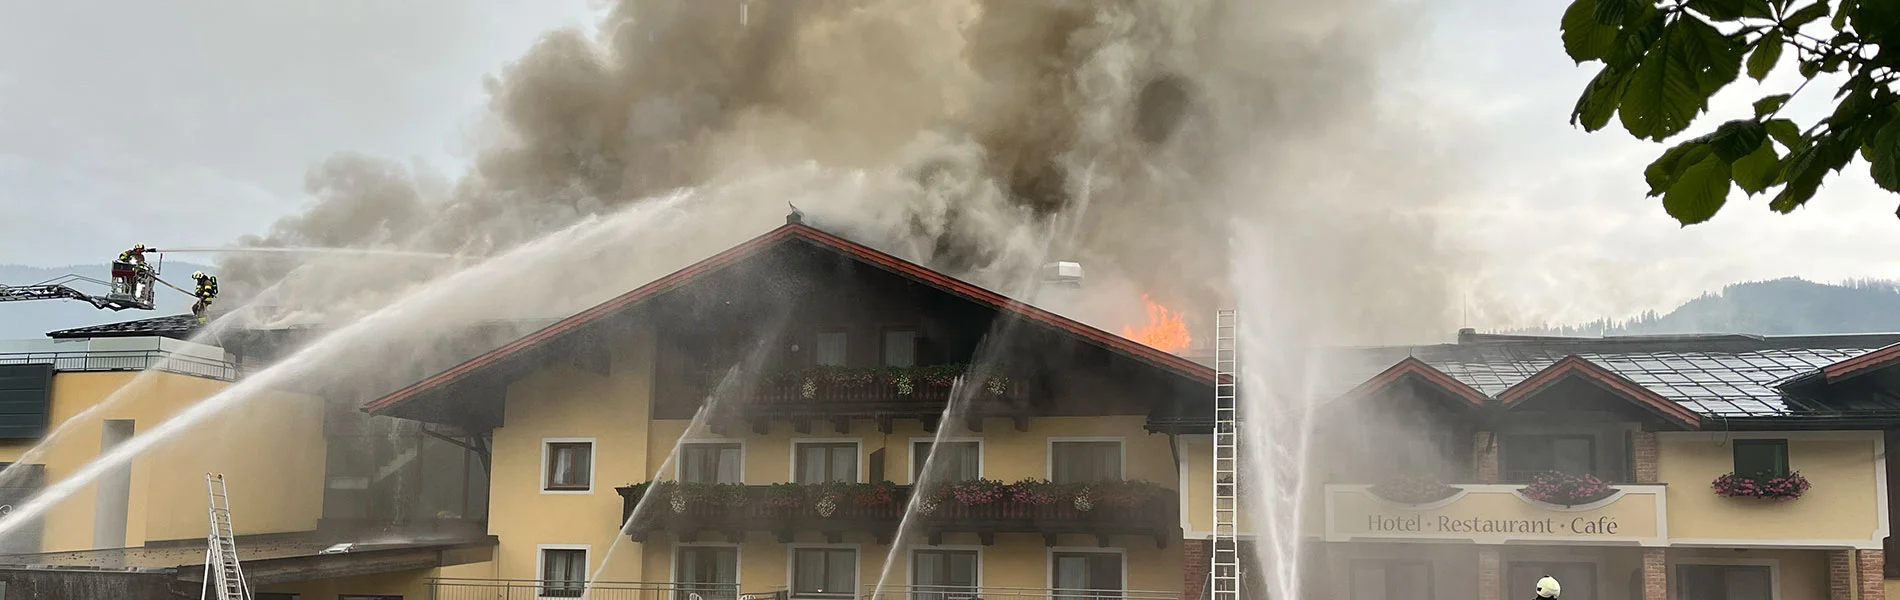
(985, 508)
(839, 394)
(942, 592)
(528, 589)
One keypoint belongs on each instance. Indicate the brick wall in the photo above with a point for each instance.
(1490, 576)
(1646, 456)
(1655, 574)
(1484, 452)
(1841, 577)
(1873, 584)
(1195, 556)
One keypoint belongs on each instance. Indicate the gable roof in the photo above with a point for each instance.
(1413, 367)
(1862, 364)
(1575, 366)
(795, 230)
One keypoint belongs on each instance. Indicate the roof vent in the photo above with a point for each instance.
(1063, 273)
(796, 217)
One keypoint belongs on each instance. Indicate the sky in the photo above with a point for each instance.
(193, 122)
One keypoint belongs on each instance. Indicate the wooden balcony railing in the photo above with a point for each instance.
(1102, 510)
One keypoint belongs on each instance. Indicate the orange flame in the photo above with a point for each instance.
(1164, 331)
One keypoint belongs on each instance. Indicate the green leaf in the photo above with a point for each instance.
(1600, 98)
(1787, 133)
(1806, 15)
(1730, 10)
(1739, 138)
(1636, 39)
(1804, 170)
(1612, 12)
(1668, 168)
(1884, 156)
(1767, 105)
(1757, 171)
(1840, 16)
(1699, 192)
(1585, 38)
(1674, 81)
(1767, 53)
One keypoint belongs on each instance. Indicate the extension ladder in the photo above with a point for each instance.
(1224, 578)
(222, 572)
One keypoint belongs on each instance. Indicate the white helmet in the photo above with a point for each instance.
(197, 274)
(1548, 588)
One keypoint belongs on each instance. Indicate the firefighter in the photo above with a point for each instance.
(1547, 588)
(206, 292)
(129, 266)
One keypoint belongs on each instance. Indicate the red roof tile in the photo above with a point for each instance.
(1182, 366)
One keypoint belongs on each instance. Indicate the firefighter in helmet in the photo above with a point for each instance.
(1547, 588)
(207, 291)
(129, 266)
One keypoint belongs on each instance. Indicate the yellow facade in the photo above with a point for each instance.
(564, 402)
(270, 448)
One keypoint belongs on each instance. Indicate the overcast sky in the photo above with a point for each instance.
(185, 122)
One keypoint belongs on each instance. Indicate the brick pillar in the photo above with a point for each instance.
(1655, 574)
(1646, 457)
(1490, 572)
(1873, 581)
(1195, 560)
(1841, 576)
(1484, 452)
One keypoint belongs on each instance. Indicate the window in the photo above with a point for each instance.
(1082, 462)
(1579, 579)
(1527, 455)
(1761, 457)
(347, 597)
(830, 350)
(1720, 582)
(958, 461)
(829, 462)
(710, 571)
(900, 347)
(824, 572)
(943, 574)
(1395, 580)
(563, 572)
(711, 463)
(275, 596)
(569, 466)
(1083, 575)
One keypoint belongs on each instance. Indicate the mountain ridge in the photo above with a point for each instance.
(1785, 306)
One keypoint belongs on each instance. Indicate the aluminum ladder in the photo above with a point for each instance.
(1224, 578)
(224, 579)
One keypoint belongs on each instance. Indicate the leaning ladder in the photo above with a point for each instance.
(1225, 575)
(222, 572)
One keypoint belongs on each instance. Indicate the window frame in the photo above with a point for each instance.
(541, 566)
(1049, 454)
(791, 570)
(1505, 451)
(1431, 575)
(884, 340)
(547, 465)
(910, 573)
(679, 466)
(1781, 444)
(1049, 567)
(1677, 580)
(862, 468)
(915, 467)
(816, 335)
(673, 570)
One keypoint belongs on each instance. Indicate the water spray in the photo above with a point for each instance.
(304, 250)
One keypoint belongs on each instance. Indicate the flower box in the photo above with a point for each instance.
(1413, 490)
(1564, 489)
(1780, 488)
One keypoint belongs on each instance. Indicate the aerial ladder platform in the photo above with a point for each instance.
(133, 287)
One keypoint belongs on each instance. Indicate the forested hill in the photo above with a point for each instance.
(1777, 307)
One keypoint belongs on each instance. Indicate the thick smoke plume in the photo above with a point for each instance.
(976, 136)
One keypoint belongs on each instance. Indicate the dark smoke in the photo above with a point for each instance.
(1131, 135)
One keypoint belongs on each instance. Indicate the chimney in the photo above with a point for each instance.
(1467, 335)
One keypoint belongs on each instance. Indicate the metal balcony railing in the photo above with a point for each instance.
(527, 589)
(945, 592)
(126, 360)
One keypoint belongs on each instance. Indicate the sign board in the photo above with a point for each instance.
(1496, 514)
